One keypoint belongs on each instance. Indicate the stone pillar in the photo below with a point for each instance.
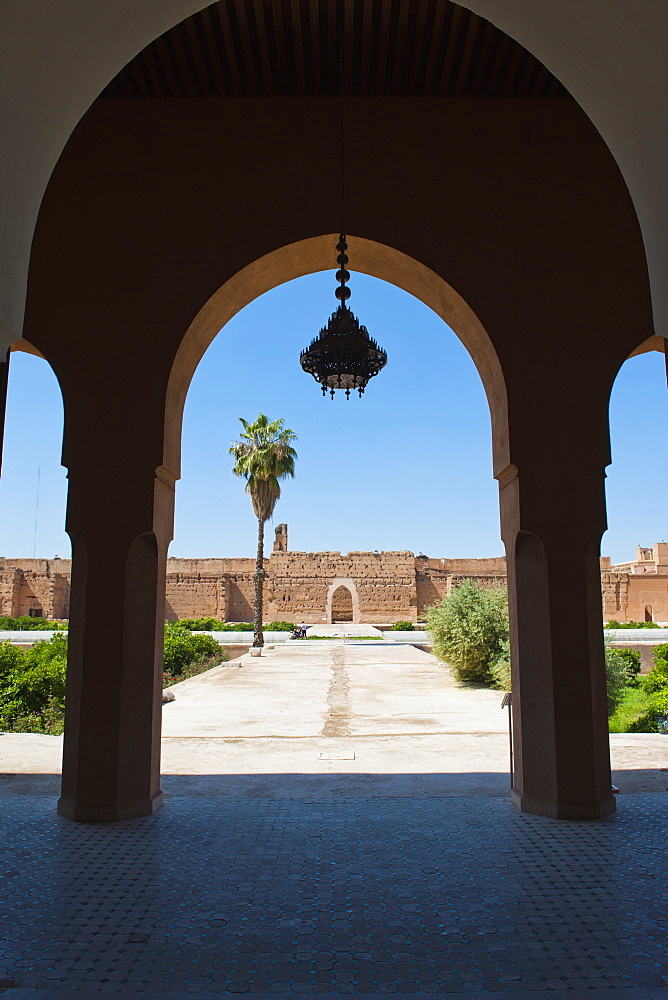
(553, 516)
(4, 380)
(120, 521)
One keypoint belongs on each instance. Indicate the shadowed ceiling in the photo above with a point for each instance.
(402, 48)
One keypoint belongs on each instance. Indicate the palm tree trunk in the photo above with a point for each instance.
(258, 637)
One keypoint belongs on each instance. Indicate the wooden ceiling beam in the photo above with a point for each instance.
(314, 27)
(418, 45)
(383, 45)
(215, 54)
(482, 62)
(246, 45)
(263, 43)
(230, 51)
(349, 44)
(500, 56)
(435, 47)
(400, 47)
(157, 81)
(296, 16)
(189, 81)
(450, 50)
(511, 68)
(279, 37)
(166, 64)
(365, 55)
(467, 52)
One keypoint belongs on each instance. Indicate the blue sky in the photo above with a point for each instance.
(406, 467)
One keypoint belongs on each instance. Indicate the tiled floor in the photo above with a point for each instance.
(360, 895)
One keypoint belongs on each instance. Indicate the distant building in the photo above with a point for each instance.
(637, 590)
(381, 587)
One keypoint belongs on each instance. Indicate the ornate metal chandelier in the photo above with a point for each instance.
(343, 355)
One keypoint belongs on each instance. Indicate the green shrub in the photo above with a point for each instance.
(632, 660)
(27, 624)
(214, 625)
(657, 679)
(633, 704)
(32, 687)
(501, 669)
(277, 627)
(616, 676)
(201, 624)
(402, 627)
(614, 624)
(649, 721)
(11, 657)
(182, 648)
(469, 630)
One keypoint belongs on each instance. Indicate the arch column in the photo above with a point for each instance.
(552, 517)
(120, 520)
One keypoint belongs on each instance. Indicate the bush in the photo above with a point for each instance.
(644, 699)
(32, 686)
(632, 660)
(277, 627)
(27, 624)
(182, 649)
(614, 624)
(616, 676)
(501, 670)
(402, 627)
(469, 630)
(201, 624)
(657, 679)
(647, 721)
(630, 708)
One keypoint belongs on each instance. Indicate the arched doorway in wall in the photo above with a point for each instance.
(343, 603)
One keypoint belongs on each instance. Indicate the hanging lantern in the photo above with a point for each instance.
(343, 355)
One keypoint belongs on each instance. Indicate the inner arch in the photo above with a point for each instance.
(318, 254)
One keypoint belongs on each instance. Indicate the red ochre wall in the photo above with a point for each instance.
(391, 586)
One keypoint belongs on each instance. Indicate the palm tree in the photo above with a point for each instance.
(262, 457)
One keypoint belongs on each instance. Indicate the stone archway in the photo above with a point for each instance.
(188, 232)
(307, 257)
(343, 603)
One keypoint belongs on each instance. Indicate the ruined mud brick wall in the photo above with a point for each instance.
(187, 594)
(216, 588)
(299, 583)
(436, 578)
(388, 586)
(35, 584)
(10, 581)
(615, 590)
(628, 596)
(647, 593)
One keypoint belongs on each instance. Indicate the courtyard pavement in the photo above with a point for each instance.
(336, 822)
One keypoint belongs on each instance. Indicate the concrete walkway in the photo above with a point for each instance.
(326, 719)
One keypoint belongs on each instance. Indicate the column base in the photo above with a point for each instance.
(564, 810)
(108, 814)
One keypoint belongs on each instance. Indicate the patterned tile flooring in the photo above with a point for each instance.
(360, 895)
